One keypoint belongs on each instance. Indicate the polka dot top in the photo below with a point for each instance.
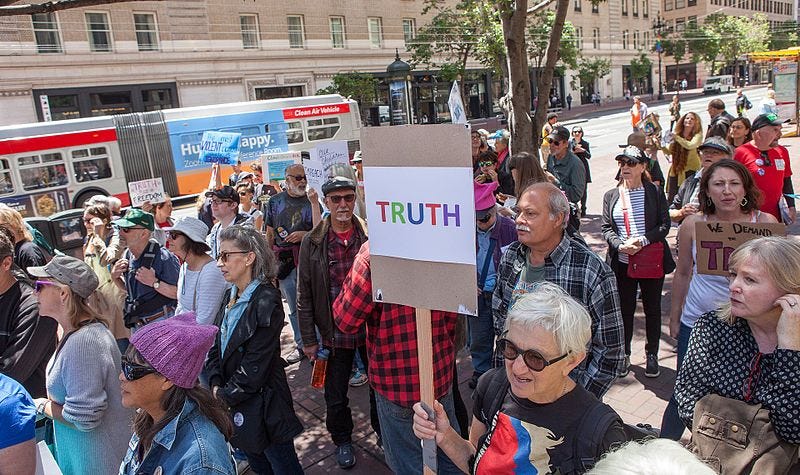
(724, 359)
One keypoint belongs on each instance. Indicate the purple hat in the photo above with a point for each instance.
(176, 347)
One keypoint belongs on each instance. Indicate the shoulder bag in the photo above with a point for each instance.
(648, 263)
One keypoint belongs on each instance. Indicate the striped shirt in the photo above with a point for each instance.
(635, 217)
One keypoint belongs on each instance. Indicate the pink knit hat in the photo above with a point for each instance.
(484, 195)
(176, 347)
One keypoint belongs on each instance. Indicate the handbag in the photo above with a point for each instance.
(648, 263)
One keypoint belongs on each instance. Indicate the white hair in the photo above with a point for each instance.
(551, 308)
(652, 457)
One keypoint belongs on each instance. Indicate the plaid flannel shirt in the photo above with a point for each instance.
(340, 260)
(584, 276)
(392, 338)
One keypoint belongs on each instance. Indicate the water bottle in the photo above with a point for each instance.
(320, 365)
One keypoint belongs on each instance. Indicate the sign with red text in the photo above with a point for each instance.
(716, 241)
(315, 111)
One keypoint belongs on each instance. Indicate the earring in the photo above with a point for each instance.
(709, 203)
(743, 202)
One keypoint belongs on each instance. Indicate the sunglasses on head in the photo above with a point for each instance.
(532, 358)
(338, 199)
(224, 255)
(40, 284)
(133, 371)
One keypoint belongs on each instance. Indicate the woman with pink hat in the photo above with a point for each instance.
(180, 427)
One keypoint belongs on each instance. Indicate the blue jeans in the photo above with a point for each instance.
(481, 335)
(401, 447)
(277, 458)
(672, 426)
(289, 292)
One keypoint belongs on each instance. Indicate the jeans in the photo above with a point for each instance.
(277, 458)
(672, 426)
(401, 447)
(481, 335)
(289, 292)
(651, 301)
(338, 418)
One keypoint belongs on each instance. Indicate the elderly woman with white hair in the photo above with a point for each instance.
(529, 414)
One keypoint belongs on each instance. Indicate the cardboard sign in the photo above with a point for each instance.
(220, 147)
(716, 241)
(650, 125)
(275, 164)
(151, 190)
(329, 154)
(405, 169)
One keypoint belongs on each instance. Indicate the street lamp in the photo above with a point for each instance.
(399, 91)
(658, 25)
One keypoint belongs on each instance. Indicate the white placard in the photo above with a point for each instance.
(315, 175)
(274, 164)
(456, 105)
(45, 462)
(331, 153)
(151, 190)
(421, 213)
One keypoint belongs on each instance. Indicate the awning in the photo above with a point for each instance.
(789, 53)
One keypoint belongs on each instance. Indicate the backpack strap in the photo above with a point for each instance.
(591, 430)
(500, 384)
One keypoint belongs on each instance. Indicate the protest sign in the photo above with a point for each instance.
(716, 241)
(650, 125)
(151, 190)
(220, 147)
(329, 154)
(315, 175)
(274, 164)
(456, 105)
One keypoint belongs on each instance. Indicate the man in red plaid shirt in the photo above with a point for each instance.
(394, 364)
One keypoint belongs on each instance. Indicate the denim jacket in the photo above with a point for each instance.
(189, 444)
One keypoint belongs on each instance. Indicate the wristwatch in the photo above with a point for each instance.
(156, 284)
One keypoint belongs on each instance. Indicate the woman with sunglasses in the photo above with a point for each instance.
(635, 214)
(246, 205)
(580, 147)
(749, 350)
(683, 152)
(91, 427)
(487, 167)
(200, 282)
(727, 193)
(244, 366)
(739, 133)
(530, 407)
(179, 426)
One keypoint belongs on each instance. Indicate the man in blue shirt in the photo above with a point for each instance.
(18, 420)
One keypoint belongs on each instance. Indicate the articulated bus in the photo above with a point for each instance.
(52, 166)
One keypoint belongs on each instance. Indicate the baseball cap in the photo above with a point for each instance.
(632, 153)
(717, 143)
(136, 217)
(636, 139)
(72, 272)
(192, 228)
(244, 176)
(765, 120)
(225, 193)
(338, 183)
(559, 133)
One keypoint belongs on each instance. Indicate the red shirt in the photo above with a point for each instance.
(392, 337)
(768, 178)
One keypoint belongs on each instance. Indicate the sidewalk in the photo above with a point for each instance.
(587, 111)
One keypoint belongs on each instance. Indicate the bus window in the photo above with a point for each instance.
(6, 185)
(321, 129)
(91, 164)
(293, 130)
(35, 175)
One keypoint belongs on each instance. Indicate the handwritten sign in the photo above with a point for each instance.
(151, 190)
(716, 241)
(315, 175)
(275, 164)
(331, 153)
(220, 147)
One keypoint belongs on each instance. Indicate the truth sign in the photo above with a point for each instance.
(716, 241)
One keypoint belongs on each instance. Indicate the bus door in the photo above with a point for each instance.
(145, 148)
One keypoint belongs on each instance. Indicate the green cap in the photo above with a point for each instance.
(136, 217)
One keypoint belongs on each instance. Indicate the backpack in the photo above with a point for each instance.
(596, 422)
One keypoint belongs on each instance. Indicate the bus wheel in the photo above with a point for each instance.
(85, 196)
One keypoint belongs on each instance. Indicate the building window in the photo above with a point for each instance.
(99, 32)
(297, 35)
(579, 37)
(45, 30)
(409, 29)
(595, 8)
(596, 38)
(375, 32)
(337, 31)
(276, 92)
(645, 8)
(669, 5)
(635, 7)
(680, 25)
(691, 3)
(146, 32)
(625, 39)
(250, 35)
(680, 4)
(636, 40)
(691, 21)
(646, 40)
(625, 7)
(577, 5)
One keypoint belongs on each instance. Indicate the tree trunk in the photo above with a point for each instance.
(519, 87)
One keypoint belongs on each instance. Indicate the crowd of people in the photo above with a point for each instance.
(160, 349)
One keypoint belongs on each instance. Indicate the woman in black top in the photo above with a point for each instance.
(580, 148)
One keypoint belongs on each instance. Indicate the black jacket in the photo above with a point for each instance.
(684, 194)
(252, 363)
(719, 126)
(656, 219)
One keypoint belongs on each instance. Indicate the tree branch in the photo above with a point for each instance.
(6, 9)
(540, 6)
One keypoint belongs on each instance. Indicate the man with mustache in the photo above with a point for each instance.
(544, 252)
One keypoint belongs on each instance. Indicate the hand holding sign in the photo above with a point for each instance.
(146, 191)
(220, 147)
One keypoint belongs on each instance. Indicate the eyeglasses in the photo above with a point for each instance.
(174, 235)
(219, 202)
(556, 142)
(485, 164)
(338, 198)
(576, 132)
(40, 284)
(533, 359)
(127, 230)
(224, 255)
(133, 371)
(298, 177)
(629, 163)
(765, 157)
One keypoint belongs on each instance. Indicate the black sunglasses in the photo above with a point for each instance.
(298, 177)
(630, 163)
(174, 235)
(486, 218)
(765, 157)
(133, 371)
(338, 199)
(532, 358)
(555, 142)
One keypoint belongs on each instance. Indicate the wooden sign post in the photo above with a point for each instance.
(421, 215)
(716, 241)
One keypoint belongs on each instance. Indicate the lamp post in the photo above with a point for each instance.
(658, 25)
(399, 91)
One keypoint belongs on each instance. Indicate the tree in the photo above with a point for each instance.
(7, 7)
(784, 35)
(592, 69)
(640, 69)
(738, 36)
(540, 27)
(355, 85)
